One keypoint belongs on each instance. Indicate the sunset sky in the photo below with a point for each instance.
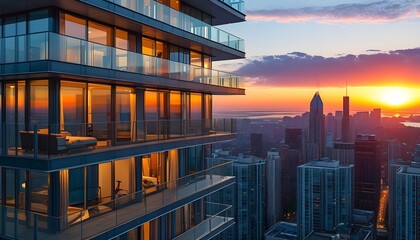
(296, 47)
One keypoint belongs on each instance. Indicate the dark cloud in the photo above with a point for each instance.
(379, 11)
(399, 67)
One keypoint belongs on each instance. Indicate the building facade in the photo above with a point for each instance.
(316, 141)
(246, 198)
(407, 214)
(273, 212)
(106, 115)
(367, 173)
(325, 197)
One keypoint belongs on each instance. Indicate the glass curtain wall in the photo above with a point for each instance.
(39, 104)
(125, 114)
(15, 112)
(99, 111)
(156, 114)
(72, 107)
(175, 114)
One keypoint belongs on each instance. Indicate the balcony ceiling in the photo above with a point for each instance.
(222, 13)
(216, 50)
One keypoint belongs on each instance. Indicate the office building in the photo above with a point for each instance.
(316, 141)
(290, 160)
(246, 197)
(345, 121)
(256, 144)
(294, 138)
(325, 196)
(344, 152)
(407, 199)
(367, 173)
(273, 200)
(106, 106)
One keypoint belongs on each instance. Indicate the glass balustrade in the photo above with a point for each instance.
(185, 22)
(87, 223)
(52, 46)
(41, 141)
(238, 5)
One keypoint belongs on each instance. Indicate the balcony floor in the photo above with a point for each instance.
(144, 211)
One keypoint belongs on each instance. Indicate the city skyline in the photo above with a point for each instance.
(369, 46)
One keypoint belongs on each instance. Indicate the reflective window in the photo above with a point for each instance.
(99, 33)
(72, 26)
(99, 111)
(148, 46)
(73, 102)
(125, 111)
(39, 191)
(39, 103)
(39, 21)
(196, 59)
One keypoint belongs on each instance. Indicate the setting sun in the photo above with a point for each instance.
(395, 96)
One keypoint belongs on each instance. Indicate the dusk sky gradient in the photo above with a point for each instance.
(295, 48)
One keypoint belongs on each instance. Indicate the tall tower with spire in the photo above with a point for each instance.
(345, 121)
(316, 144)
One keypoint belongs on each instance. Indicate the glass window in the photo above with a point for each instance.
(154, 171)
(196, 59)
(196, 106)
(72, 26)
(10, 187)
(161, 50)
(76, 186)
(125, 40)
(207, 61)
(39, 191)
(39, 21)
(125, 113)
(105, 182)
(99, 33)
(39, 103)
(151, 105)
(21, 25)
(99, 110)
(72, 107)
(175, 4)
(125, 180)
(148, 46)
(10, 27)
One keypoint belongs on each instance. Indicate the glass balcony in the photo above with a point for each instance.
(88, 223)
(52, 46)
(52, 141)
(238, 5)
(216, 217)
(183, 21)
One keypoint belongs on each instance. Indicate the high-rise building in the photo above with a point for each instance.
(367, 173)
(273, 191)
(316, 139)
(345, 122)
(256, 144)
(324, 196)
(290, 160)
(246, 198)
(294, 138)
(106, 107)
(344, 152)
(407, 199)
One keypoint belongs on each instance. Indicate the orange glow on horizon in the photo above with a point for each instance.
(394, 100)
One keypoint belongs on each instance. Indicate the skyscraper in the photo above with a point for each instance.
(324, 196)
(316, 142)
(345, 122)
(273, 200)
(246, 197)
(106, 108)
(407, 199)
(367, 173)
(344, 152)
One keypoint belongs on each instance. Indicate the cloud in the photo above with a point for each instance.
(399, 67)
(372, 12)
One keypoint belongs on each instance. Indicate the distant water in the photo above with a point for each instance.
(255, 114)
(411, 124)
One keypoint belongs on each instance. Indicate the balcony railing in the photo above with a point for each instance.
(57, 47)
(49, 141)
(216, 216)
(238, 5)
(183, 21)
(91, 222)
